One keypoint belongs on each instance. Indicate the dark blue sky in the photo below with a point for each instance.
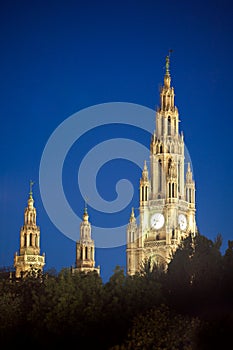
(58, 57)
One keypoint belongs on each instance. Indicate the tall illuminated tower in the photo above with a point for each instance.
(29, 261)
(167, 193)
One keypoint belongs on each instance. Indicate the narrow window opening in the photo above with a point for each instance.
(169, 125)
(160, 175)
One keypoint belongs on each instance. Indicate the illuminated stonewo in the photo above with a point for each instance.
(29, 261)
(167, 196)
(85, 248)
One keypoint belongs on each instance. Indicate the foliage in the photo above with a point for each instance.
(188, 306)
(161, 328)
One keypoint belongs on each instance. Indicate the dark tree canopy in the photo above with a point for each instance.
(187, 306)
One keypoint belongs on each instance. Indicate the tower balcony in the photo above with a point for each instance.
(32, 259)
(157, 202)
(151, 243)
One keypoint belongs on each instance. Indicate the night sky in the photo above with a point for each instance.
(61, 57)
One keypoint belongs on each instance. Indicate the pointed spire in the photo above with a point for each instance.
(85, 207)
(167, 65)
(189, 174)
(132, 216)
(167, 78)
(145, 172)
(30, 199)
(30, 193)
(85, 213)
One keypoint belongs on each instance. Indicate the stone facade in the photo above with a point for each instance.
(167, 193)
(85, 248)
(29, 261)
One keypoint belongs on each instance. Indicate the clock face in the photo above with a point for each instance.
(157, 221)
(182, 221)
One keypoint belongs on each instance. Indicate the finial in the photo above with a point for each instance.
(168, 62)
(189, 174)
(132, 216)
(167, 65)
(145, 172)
(85, 205)
(85, 208)
(31, 184)
(85, 214)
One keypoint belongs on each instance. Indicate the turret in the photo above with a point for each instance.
(144, 186)
(85, 247)
(132, 228)
(29, 261)
(190, 186)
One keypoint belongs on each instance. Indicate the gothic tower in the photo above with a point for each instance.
(85, 248)
(29, 261)
(167, 196)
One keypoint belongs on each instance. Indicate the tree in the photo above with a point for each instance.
(161, 328)
(177, 281)
(206, 265)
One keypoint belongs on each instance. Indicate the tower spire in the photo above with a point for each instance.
(168, 62)
(167, 65)
(167, 77)
(30, 193)
(85, 213)
(132, 216)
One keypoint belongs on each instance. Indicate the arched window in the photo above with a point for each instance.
(86, 253)
(131, 236)
(91, 252)
(30, 239)
(173, 190)
(160, 175)
(178, 176)
(169, 163)
(25, 240)
(173, 233)
(175, 126)
(169, 190)
(190, 195)
(169, 125)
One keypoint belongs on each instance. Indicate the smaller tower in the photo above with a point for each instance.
(132, 236)
(190, 198)
(29, 261)
(85, 247)
(144, 186)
